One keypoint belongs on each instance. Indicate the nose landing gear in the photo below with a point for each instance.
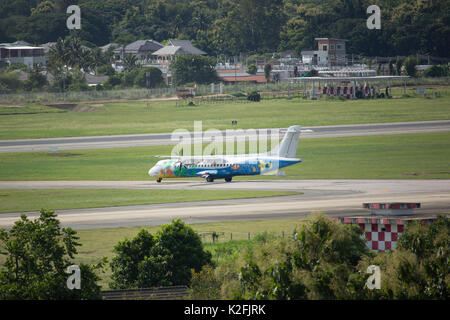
(159, 180)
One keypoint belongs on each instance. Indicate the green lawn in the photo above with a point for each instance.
(37, 121)
(58, 199)
(406, 156)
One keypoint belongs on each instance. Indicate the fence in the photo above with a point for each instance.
(126, 94)
(221, 237)
(235, 92)
(426, 59)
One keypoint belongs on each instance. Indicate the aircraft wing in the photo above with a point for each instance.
(207, 173)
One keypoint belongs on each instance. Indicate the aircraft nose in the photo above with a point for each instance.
(152, 172)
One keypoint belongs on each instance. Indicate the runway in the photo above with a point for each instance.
(136, 140)
(332, 197)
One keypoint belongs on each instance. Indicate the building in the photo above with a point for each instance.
(109, 46)
(142, 49)
(239, 75)
(335, 49)
(315, 58)
(330, 52)
(167, 54)
(21, 52)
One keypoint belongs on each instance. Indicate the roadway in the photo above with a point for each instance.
(136, 140)
(332, 197)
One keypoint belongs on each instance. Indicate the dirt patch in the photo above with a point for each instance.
(426, 173)
(84, 109)
(63, 106)
(75, 107)
(63, 154)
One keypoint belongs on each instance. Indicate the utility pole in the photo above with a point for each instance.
(147, 76)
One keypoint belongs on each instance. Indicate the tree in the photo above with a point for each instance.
(267, 70)
(129, 62)
(391, 67)
(418, 268)
(252, 69)
(36, 80)
(37, 256)
(156, 78)
(186, 247)
(398, 66)
(129, 254)
(437, 71)
(194, 68)
(319, 262)
(9, 82)
(161, 260)
(410, 66)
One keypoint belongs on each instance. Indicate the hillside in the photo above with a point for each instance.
(239, 26)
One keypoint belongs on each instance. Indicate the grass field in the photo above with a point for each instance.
(58, 199)
(37, 121)
(407, 156)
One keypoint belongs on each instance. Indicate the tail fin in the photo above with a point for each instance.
(288, 146)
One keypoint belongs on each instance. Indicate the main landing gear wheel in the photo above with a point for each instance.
(159, 180)
(228, 179)
(210, 179)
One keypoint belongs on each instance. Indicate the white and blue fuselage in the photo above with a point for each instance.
(228, 166)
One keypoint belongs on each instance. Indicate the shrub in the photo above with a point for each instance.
(436, 71)
(252, 69)
(410, 66)
(162, 260)
(254, 96)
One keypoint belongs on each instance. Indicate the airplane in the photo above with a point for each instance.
(228, 166)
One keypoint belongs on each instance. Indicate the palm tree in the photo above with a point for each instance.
(58, 61)
(86, 60)
(129, 62)
(98, 59)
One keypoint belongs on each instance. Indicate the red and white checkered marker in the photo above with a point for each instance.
(382, 234)
(391, 209)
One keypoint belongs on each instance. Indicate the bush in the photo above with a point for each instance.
(252, 69)
(114, 80)
(106, 70)
(37, 254)
(205, 285)
(418, 268)
(410, 66)
(36, 81)
(156, 78)
(320, 262)
(437, 71)
(162, 260)
(194, 68)
(9, 82)
(254, 96)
